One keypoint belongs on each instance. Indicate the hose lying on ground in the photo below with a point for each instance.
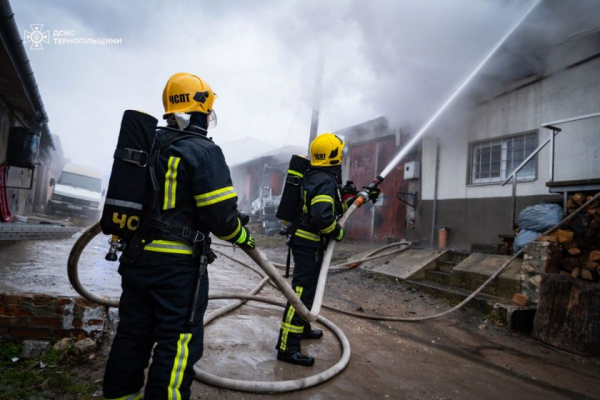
(264, 387)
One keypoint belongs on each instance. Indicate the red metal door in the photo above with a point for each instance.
(390, 213)
(362, 171)
(388, 217)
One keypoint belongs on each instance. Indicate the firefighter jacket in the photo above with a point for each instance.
(321, 204)
(196, 190)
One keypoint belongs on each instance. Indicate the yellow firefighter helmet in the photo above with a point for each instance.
(326, 150)
(186, 93)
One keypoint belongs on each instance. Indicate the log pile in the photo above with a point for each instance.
(580, 241)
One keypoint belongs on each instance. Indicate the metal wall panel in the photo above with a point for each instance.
(388, 217)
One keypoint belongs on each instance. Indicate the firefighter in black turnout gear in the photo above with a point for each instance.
(323, 202)
(196, 198)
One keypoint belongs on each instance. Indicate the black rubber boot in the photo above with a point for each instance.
(312, 334)
(296, 358)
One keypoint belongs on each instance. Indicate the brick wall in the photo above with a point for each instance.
(39, 316)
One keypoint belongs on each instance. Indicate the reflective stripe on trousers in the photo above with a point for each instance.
(286, 326)
(179, 366)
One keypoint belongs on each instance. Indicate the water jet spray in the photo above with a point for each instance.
(462, 86)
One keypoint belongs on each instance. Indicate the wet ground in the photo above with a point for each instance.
(462, 356)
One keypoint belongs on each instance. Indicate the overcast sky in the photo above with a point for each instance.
(393, 58)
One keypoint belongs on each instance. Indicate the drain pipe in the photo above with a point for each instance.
(435, 193)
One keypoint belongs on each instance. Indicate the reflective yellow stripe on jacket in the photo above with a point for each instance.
(308, 235)
(292, 172)
(171, 183)
(167, 246)
(179, 365)
(216, 196)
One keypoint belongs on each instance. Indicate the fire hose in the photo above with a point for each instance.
(310, 315)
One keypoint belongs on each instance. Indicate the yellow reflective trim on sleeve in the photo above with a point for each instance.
(179, 366)
(288, 321)
(292, 172)
(242, 237)
(330, 228)
(308, 235)
(216, 196)
(171, 183)
(237, 230)
(322, 198)
(167, 246)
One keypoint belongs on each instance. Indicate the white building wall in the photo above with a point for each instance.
(567, 93)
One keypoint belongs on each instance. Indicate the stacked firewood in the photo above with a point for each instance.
(580, 240)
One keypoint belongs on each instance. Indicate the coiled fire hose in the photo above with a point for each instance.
(276, 278)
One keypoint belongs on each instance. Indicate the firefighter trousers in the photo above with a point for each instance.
(153, 313)
(308, 256)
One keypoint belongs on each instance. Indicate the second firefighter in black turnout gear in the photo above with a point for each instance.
(197, 196)
(321, 207)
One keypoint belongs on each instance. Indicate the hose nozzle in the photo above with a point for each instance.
(363, 196)
(376, 182)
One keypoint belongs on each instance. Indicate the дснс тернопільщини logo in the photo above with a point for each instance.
(36, 37)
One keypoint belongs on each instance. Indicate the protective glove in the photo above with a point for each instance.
(246, 239)
(340, 235)
(374, 194)
(244, 218)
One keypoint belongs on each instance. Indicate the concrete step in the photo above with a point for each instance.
(438, 277)
(446, 265)
(499, 287)
(514, 317)
(477, 268)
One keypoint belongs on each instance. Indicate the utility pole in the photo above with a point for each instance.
(314, 123)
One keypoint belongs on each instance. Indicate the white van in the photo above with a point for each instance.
(78, 191)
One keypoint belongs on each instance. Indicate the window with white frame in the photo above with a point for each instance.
(494, 160)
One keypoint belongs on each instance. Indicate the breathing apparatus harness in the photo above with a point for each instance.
(293, 209)
(157, 225)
